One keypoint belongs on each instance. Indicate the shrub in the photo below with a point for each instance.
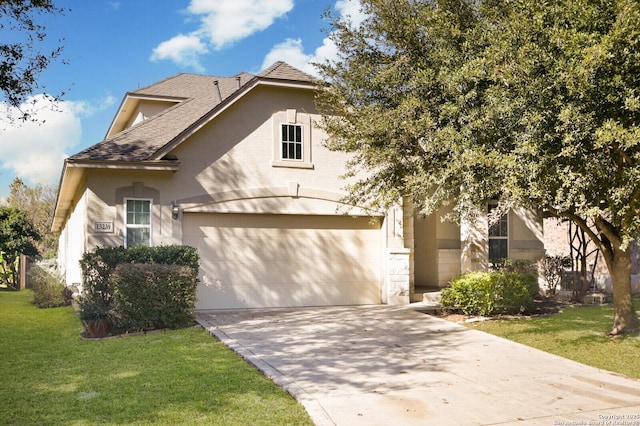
(551, 268)
(154, 296)
(487, 293)
(522, 266)
(99, 265)
(48, 289)
(101, 283)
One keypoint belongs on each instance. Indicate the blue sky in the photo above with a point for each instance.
(113, 47)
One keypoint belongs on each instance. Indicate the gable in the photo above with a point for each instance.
(153, 121)
(240, 148)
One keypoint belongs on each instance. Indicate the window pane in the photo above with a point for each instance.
(138, 236)
(500, 229)
(498, 249)
(138, 212)
(291, 142)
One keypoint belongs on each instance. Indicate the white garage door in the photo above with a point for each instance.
(250, 260)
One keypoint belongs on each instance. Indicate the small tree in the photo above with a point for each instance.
(551, 269)
(17, 236)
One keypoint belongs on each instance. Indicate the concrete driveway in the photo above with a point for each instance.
(385, 365)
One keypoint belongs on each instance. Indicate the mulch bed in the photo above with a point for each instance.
(543, 307)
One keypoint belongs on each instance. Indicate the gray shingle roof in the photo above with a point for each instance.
(283, 71)
(199, 98)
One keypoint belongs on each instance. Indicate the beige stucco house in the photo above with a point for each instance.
(236, 167)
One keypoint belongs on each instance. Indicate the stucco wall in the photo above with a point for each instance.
(229, 165)
(72, 244)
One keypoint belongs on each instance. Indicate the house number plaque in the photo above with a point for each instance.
(106, 227)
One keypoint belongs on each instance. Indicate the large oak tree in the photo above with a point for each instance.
(455, 102)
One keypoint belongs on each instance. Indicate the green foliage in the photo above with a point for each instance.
(22, 58)
(153, 296)
(472, 294)
(487, 293)
(551, 269)
(92, 307)
(523, 266)
(17, 236)
(38, 203)
(452, 103)
(101, 286)
(47, 288)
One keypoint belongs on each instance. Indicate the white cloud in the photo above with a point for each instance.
(183, 50)
(351, 9)
(222, 22)
(292, 52)
(34, 151)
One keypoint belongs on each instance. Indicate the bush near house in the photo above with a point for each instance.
(487, 293)
(166, 280)
(149, 296)
(48, 289)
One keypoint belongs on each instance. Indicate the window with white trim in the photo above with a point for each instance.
(137, 218)
(291, 141)
(498, 237)
(291, 132)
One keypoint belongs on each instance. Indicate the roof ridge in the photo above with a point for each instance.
(283, 71)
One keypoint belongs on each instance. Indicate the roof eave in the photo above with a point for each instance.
(75, 170)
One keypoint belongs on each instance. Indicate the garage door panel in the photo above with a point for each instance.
(271, 260)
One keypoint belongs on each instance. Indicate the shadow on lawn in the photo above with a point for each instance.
(50, 376)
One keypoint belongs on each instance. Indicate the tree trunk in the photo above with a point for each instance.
(625, 319)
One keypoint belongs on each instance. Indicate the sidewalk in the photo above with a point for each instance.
(386, 365)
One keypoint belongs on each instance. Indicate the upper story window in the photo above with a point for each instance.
(291, 139)
(498, 237)
(291, 142)
(137, 222)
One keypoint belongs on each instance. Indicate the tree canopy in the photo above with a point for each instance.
(22, 56)
(456, 102)
(38, 203)
(17, 236)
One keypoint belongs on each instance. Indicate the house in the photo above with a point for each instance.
(236, 167)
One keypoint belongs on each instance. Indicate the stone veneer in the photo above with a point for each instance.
(398, 276)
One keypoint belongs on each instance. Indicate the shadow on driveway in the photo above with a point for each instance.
(388, 365)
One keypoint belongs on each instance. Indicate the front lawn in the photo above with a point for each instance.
(49, 376)
(578, 333)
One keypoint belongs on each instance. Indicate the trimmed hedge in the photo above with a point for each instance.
(105, 288)
(152, 296)
(487, 293)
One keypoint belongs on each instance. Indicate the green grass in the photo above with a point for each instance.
(49, 376)
(578, 333)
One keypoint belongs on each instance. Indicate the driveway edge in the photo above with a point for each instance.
(317, 413)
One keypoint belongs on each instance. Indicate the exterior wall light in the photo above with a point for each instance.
(175, 211)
